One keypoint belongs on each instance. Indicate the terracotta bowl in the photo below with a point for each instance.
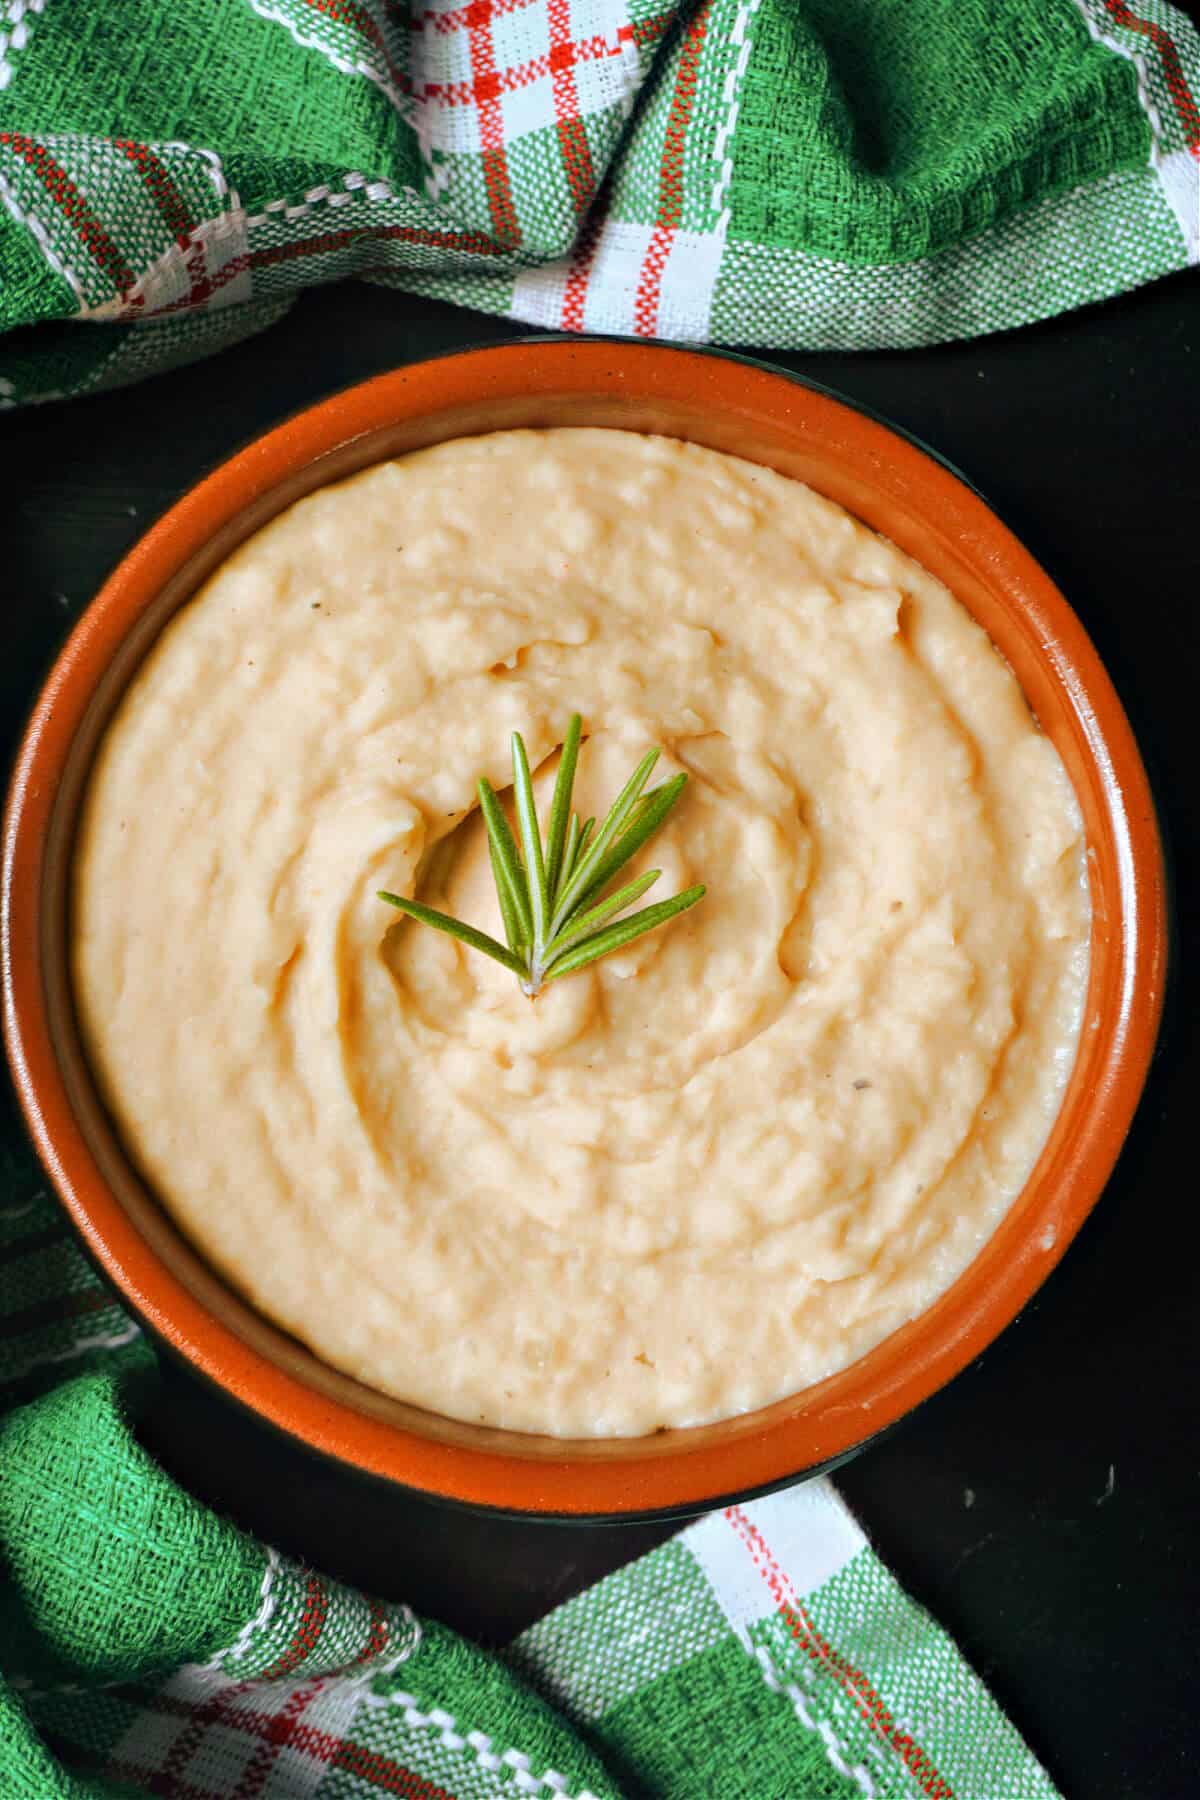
(899, 490)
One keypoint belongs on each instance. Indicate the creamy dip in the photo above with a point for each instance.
(700, 1174)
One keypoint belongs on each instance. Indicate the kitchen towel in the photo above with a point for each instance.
(148, 1647)
(795, 174)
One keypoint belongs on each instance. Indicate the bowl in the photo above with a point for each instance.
(897, 488)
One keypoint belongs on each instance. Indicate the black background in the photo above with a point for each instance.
(1045, 1505)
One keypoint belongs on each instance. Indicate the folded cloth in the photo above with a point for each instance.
(149, 1647)
(819, 174)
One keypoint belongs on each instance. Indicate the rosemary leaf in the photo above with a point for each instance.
(615, 937)
(585, 833)
(508, 912)
(531, 844)
(467, 934)
(560, 806)
(583, 873)
(651, 811)
(646, 800)
(569, 850)
(584, 923)
(504, 850)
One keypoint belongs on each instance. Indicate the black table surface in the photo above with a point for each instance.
(1044, 1506)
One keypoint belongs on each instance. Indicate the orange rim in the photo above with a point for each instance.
(897, 488)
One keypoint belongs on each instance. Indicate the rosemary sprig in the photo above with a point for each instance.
(556, 915)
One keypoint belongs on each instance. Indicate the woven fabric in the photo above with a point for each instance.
(790, 173)
(149, 1647)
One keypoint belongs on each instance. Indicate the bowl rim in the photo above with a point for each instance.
(820, 1427)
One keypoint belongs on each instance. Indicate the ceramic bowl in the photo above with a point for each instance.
(897, 488)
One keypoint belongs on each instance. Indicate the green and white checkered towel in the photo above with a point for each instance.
(149, 1647)
(820, 174)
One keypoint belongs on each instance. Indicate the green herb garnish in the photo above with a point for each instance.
(557, 916)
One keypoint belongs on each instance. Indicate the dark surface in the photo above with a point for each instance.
(1045, 1505)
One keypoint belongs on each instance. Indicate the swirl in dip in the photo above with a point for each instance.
(700, 1174)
